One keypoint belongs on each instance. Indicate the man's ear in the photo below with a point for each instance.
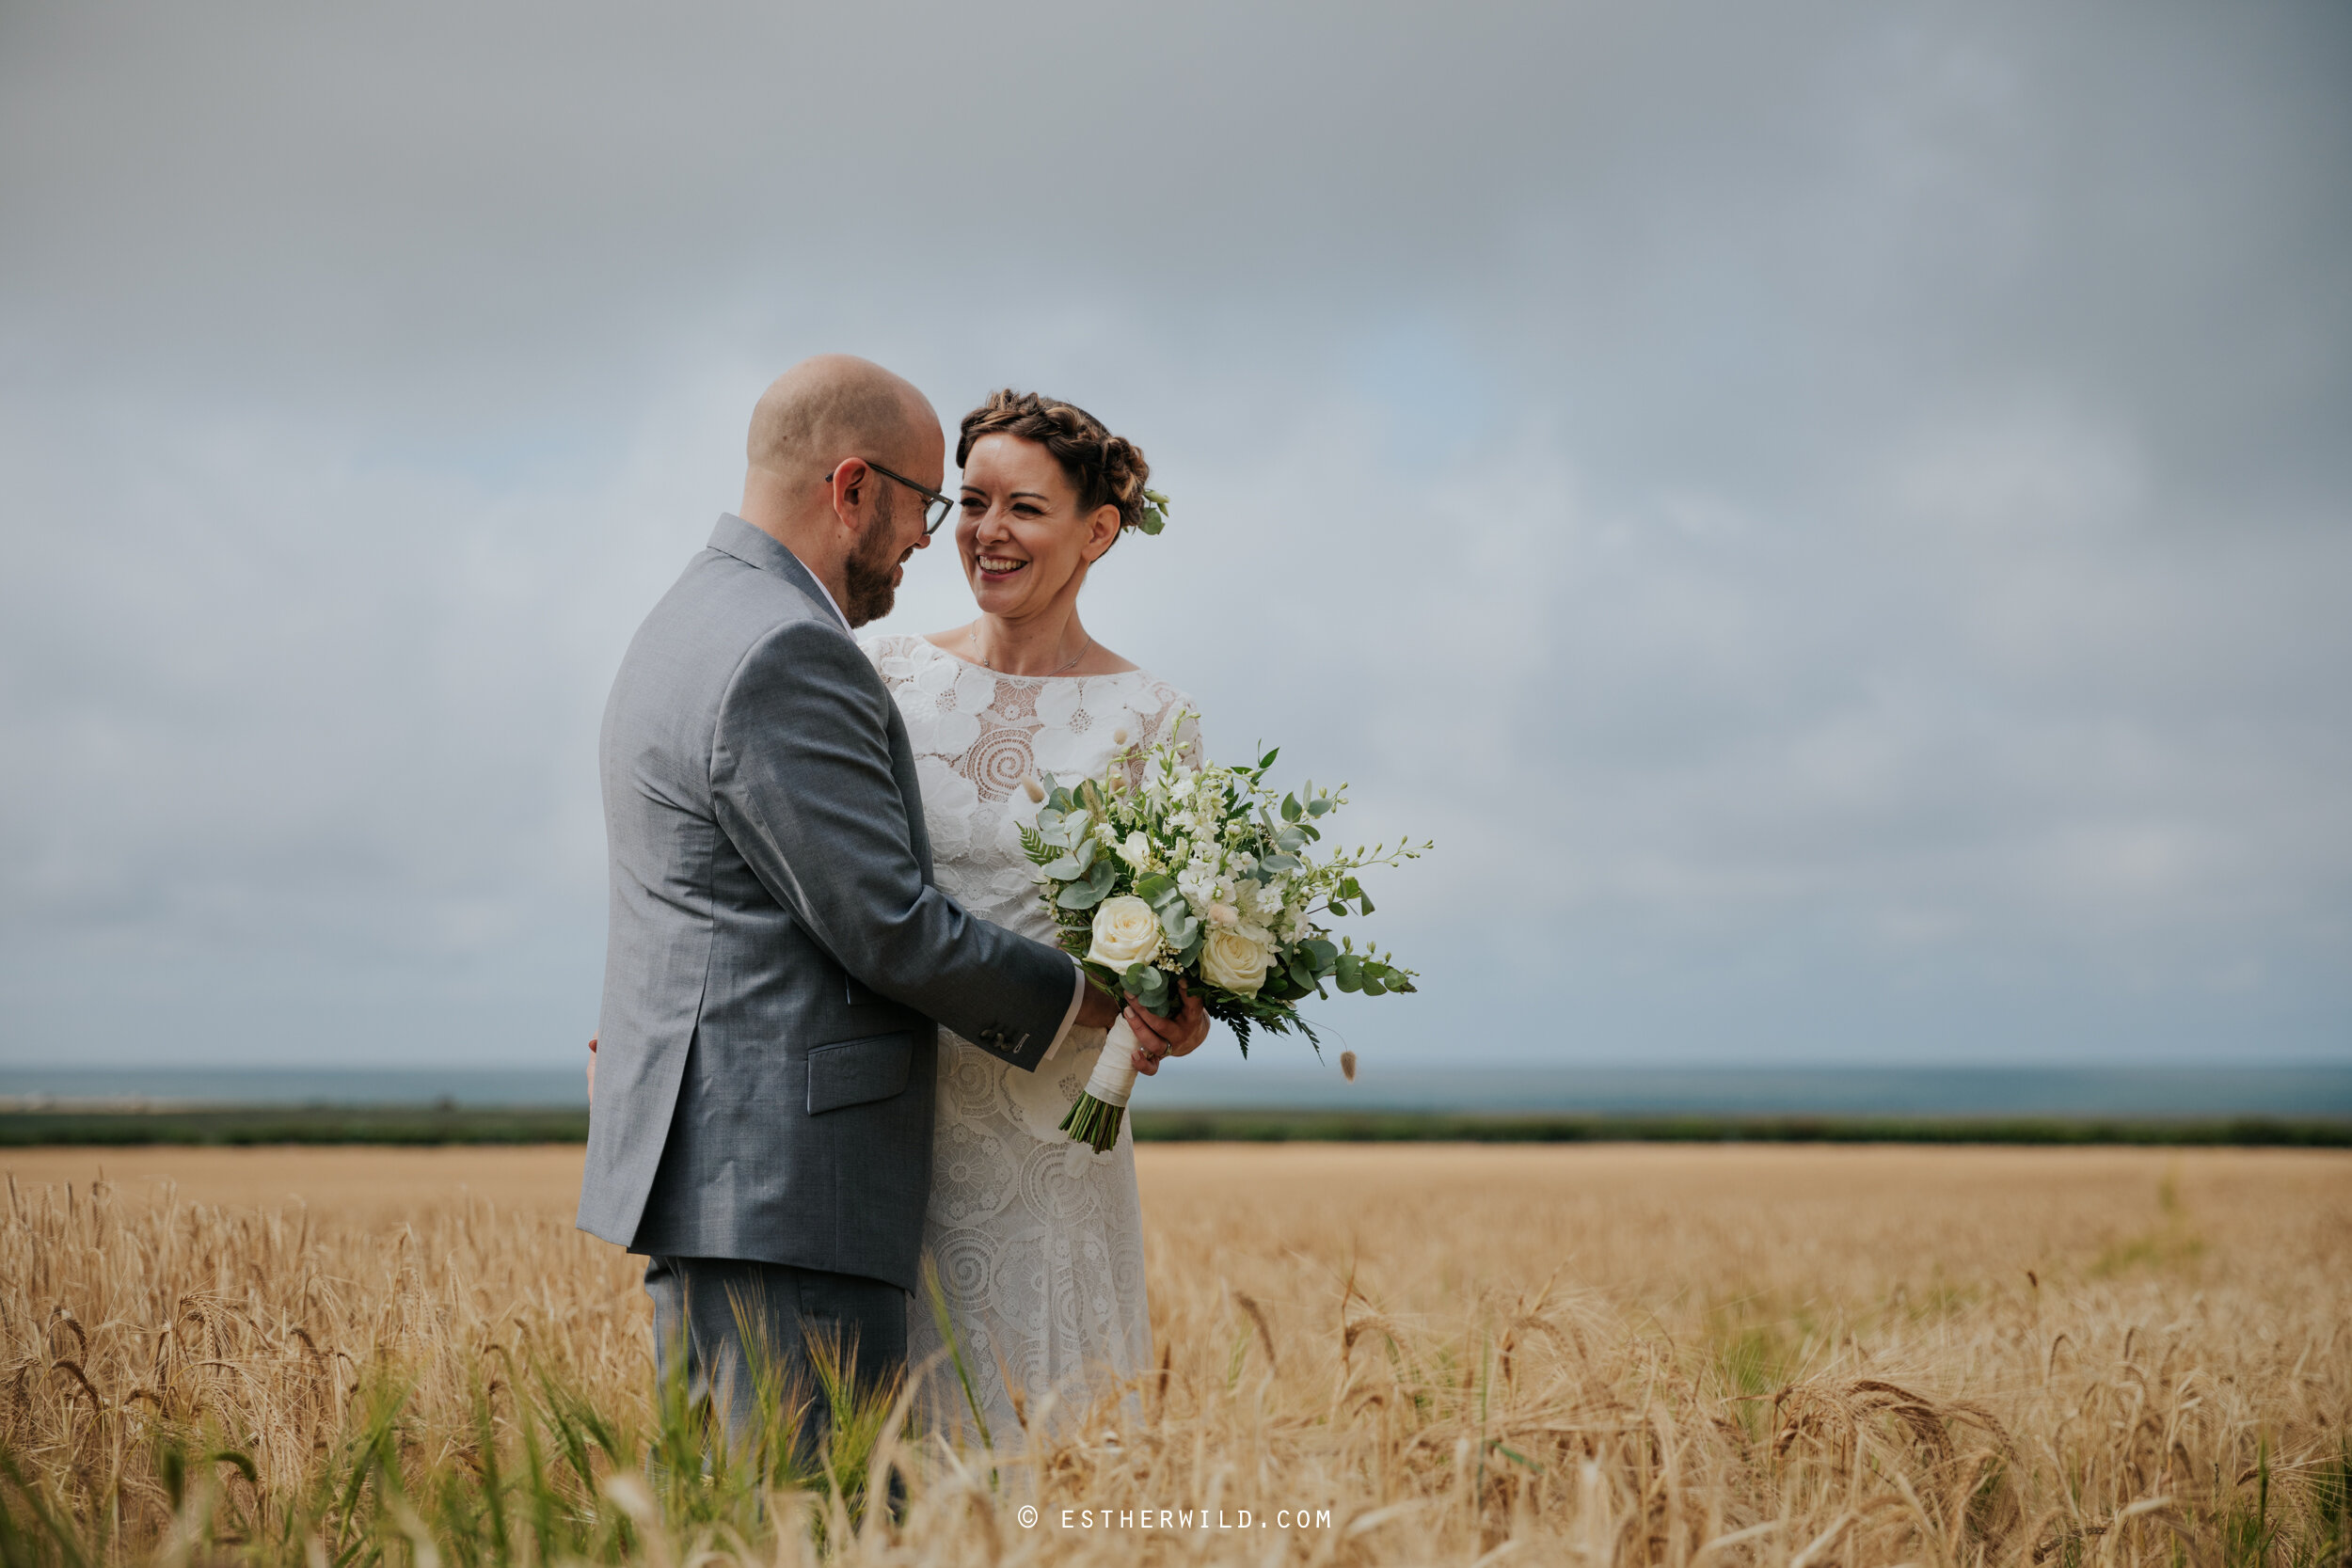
(851, 478)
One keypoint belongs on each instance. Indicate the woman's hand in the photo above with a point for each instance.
(1158, 1038)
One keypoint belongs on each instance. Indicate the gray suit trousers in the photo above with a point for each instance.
(725, 1316)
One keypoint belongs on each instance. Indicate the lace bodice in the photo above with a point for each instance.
(1038, 1241)
(978, 735)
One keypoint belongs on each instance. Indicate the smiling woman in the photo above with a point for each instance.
(1047, 491)
(1035, 1242)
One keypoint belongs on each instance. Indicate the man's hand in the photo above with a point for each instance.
(1100, 1009)
(1158, 1038)
(592, 1069)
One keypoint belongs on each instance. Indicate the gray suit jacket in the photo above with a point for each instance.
(778, 953)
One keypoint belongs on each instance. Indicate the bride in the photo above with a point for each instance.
(1036, 1240)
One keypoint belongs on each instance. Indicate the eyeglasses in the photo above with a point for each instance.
(935, 506)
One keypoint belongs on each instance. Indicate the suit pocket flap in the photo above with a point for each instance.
(851, 1073)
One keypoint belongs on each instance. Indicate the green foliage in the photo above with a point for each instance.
(545, 1479)
(2323, 1538)
(1154, 515)
(1209, 848)
(2248, 1529)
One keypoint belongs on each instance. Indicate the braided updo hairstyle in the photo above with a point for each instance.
(1104, 470)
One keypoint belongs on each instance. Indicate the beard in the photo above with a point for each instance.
(868, 591)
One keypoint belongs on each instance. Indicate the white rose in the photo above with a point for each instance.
(1136, 851)
(1234, 959)
(1126, 931)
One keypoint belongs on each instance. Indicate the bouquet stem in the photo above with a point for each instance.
(1095, 1116)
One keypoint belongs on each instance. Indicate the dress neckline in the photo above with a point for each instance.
(1009, 675)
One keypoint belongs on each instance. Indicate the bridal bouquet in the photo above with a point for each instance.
(1160, 869)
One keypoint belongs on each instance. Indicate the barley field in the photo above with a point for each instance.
(1730, 1355)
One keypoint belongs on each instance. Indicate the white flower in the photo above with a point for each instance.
(974, 688)
(1234, 959)
(1126, 931)
(1136, 851)
(1057, 701)
(1221, 914)
(1104, 834)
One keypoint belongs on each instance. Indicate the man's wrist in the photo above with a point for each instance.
(1097, 1009)
(1084, 1002)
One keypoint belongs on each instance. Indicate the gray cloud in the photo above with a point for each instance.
(1837, 523)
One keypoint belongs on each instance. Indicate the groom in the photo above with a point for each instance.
(778, 959)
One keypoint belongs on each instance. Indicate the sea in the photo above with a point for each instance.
(2322, 1090)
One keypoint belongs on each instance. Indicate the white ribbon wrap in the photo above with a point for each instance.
(1114, 1077)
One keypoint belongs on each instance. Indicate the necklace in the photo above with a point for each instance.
(973, 637)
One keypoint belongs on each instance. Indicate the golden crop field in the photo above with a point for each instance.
(1652, 1354)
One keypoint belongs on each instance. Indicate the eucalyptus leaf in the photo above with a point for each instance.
(1066, 869)
(1079, 896)
(1284, 988)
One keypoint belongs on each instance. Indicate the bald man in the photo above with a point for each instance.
(778, 961)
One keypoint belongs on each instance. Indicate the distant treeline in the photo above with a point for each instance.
(413, 1125)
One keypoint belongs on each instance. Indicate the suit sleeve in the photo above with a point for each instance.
(801, 782)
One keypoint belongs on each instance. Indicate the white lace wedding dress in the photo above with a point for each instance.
(1036, 1240)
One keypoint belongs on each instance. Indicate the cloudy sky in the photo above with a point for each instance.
(1837, 519)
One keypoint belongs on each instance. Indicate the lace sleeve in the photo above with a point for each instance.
(1174, 711)
(1195, 751)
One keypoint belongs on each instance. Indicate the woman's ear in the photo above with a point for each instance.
(1101, 534)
